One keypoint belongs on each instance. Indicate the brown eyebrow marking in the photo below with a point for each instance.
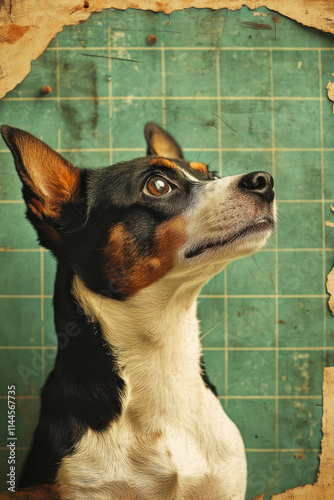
(162, 162)
(196, 165)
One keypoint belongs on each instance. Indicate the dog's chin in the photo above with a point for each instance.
(244, 242)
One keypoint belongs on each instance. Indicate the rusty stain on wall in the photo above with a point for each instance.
(21, 43)
(12, 33)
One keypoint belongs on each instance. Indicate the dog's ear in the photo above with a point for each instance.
(49, 181)
(161, 143)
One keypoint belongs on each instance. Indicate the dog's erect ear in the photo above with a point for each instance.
(161, 143)
(48, 179)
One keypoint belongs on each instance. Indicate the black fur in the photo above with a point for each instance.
(84, 389)
(206, 379)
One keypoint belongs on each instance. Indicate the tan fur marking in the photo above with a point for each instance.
(52, 179)
(163, 162)
(196, 165)
(129, 270)
(163, 146)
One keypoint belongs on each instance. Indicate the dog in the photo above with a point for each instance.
(128, 411)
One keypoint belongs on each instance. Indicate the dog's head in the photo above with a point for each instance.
(126, 226)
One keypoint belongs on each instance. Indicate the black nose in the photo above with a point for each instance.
(260, 183)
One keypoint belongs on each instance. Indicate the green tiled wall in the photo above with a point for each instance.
(266, 330)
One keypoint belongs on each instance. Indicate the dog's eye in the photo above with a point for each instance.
(157, 186)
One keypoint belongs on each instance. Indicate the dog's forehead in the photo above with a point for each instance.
(173, 167)
(194, 171)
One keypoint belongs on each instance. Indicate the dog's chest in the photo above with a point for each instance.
(172, 440)
(123, 454)
(186, 460)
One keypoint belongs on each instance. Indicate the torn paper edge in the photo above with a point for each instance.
(26, 29)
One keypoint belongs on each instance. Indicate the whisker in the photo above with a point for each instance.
(211, 329)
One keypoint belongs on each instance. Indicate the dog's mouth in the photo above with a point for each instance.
(263, 225)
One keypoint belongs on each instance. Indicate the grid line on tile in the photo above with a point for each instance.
(168, 98)
(249, 396)
(273, 159)
(273, 349)
(330, 49)
(163, 84)
(220, 167)
(281, 450)
(110, 97)
(265, 296)
(323, 204)
(13, 296)
(220, 159)
(57, 98)
(99, 150)
(301, 397)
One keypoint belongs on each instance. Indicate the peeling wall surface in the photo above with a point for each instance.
(323, 488)
(241, 90)
(26, 29)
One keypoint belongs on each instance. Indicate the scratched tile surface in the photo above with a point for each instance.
(266, 331)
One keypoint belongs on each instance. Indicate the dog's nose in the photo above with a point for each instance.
(260, 183)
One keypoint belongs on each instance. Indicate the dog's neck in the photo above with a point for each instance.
(155, 337)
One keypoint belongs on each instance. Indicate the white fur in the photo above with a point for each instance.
(220, 210)
(190, 177)
(173, 441)
(172, 435)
